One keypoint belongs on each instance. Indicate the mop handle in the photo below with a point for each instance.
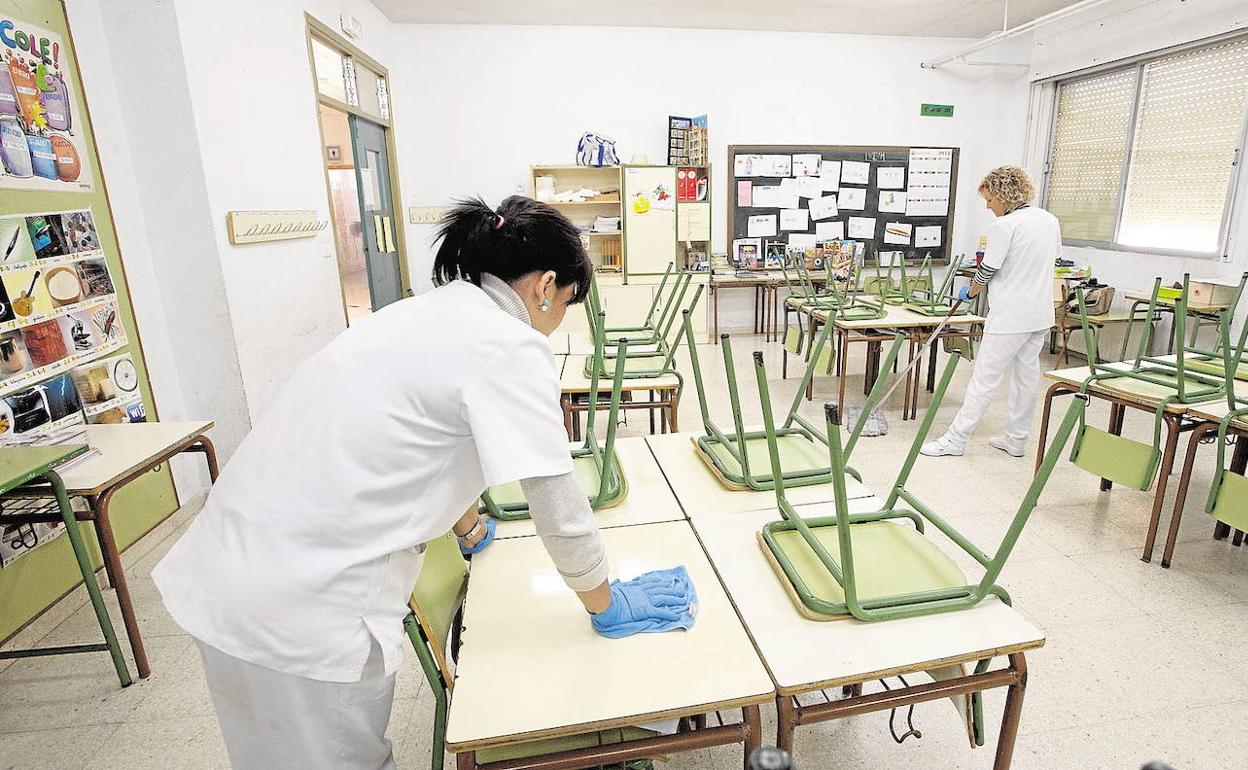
(922, 349)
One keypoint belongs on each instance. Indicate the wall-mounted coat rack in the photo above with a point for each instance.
(260, 226)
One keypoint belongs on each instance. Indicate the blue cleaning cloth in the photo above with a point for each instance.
(481, 544)
(663, 600)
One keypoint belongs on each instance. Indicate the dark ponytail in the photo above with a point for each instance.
(521, 237)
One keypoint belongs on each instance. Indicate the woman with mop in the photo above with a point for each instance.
(1023, 242)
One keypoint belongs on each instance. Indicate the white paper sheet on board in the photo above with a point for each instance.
(927, 236)
(830, 175)
(828, 231)
(823, 207)
(794, 219)
(761, 226)
(801, 241)
(746, 165)
(862, 227)
(767, 196)
(931, 159)
(927, 203)
(852, 198)
(890, 178)
(777, 165)
(809, 187)
(892, 201)
(855, 172)
(806, 164)
(898, 232)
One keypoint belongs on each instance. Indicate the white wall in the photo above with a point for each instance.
(479, 104)
(1116, 31)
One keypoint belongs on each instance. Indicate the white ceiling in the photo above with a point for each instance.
(928, 18)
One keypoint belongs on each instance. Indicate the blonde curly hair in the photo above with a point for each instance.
(1009, 184)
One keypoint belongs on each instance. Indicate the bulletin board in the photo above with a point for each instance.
(69, 347)
(893, 199)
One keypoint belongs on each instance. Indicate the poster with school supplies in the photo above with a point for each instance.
(40, 146)
(899, 196)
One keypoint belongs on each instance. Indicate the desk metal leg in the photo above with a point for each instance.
(753, 724)
(931, 369)
(1173, 426)
(786, 722)
(117, 577)
(715, 313)
(1117, 413)
(1013, 713)
(1185, 480)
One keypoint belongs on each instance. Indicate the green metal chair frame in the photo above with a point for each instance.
(611, 482)
(1133, 463)
(900, 605)
(930, 301)
(890, 293)
(736, 445)
(1228, 496)
(641, 339)
(840, 299)
(433, 619)
(642, 365)
(593, 305)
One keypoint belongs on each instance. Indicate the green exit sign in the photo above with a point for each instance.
(936, 110)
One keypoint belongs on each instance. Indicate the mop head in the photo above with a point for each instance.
(875, 425)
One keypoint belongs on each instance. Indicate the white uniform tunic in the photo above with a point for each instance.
(310, 542)
(1021, 248)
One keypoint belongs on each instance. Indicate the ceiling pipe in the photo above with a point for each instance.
(1006, 34)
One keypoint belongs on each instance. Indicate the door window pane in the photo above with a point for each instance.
(367, 81)
(1190, 124)
(329, 69)
(1089, 152)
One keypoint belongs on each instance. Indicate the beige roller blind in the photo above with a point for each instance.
(1190, 124)
(1089, 151)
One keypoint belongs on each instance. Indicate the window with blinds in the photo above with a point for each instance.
(1143, 157)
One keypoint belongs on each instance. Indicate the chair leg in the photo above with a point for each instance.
(1173, 424)
(1185, 480)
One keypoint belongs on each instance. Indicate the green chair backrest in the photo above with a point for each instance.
(438, 594)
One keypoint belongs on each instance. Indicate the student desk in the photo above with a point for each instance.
(699, 491)
(648, 501)
(807, 656)
(1208, 417)
(23, 465)
(531, 667)
(766, 285)
(881, 331)
(127, 452)
(1122, 395)
(664, 395)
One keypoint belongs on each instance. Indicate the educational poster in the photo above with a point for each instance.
(58, 311)
(898, 233)
(41, 147)
(930, 181)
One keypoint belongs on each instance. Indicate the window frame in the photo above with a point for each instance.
(1138, 63)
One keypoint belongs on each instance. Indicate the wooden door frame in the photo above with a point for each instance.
(316, 28)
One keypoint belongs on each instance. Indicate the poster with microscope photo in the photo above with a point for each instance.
(41, 145)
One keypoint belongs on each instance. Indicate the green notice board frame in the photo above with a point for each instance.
(34, 581)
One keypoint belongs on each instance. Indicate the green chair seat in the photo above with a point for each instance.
(1230, 505)
(511, 496)
(798, 454)
(935, 309)
(647, 364)
(569, 743)
(1121, 460)
(889, 559)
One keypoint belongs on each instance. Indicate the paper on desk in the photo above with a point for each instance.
(830, 174)
(794, 219)
(806, 164)
(852, 198)
(890, 177)
(809, 187)
(892, 201)
(898, 232)
(927, 236)
(761, 226)
(855, 172)
(862, 227)
(823, 207)
(830, 231)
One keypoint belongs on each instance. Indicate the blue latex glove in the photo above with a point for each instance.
(964, 293)
(663, 600)
(482, 543)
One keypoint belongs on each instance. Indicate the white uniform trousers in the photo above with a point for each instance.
(1019, 353)
(274, 720)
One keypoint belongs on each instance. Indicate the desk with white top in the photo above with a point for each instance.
(531, 667)
(805, 656)
(574, 386)
(699, 491)
(648, 499)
